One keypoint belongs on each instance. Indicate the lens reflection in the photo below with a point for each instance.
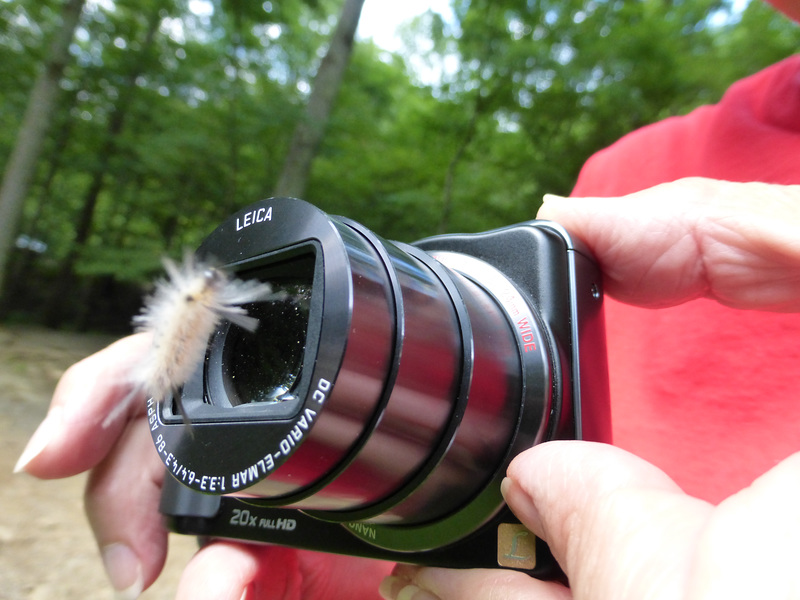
(263, 367)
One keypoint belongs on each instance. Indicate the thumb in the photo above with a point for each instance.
(603, 512)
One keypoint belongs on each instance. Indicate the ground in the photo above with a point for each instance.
(46, 547)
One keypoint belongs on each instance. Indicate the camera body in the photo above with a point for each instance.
(376, 409)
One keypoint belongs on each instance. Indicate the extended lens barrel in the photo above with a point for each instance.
(381, 385)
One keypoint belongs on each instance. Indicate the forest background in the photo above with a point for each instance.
(168, 115)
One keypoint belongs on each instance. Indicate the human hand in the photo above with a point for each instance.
(737, 243)
(124, 489)
(621, 529)
(618, 526)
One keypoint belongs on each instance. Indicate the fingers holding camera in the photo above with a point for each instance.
(71, 439)
(733, 242)
(409, 582)
(230, 571)
(619, 527)
(622, 529)
(124, 487)
(121, 503)
(220, 571)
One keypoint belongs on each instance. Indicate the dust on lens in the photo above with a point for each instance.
(263, 367)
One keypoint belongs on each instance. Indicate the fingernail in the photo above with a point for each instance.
(521, 505)
(553, 198)
(40, 438)
(389, 587)
(124, 571)
(412, 592)
(504, 487)
(395, 588)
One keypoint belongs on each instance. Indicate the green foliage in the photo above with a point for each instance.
(178, 118)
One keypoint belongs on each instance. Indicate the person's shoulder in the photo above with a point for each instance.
(643, 158)
(705, 142)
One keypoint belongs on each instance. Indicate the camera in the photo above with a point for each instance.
(377, 406)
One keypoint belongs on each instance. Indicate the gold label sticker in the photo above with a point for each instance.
(516, 546)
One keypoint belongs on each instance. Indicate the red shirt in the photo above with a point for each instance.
(708, 393)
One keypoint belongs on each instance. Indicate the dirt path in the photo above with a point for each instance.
(46, 548)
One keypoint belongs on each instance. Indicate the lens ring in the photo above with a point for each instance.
(399, 321)
(539, 371)
(221, 453)
(459, 401)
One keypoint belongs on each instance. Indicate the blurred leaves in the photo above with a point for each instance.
(465, 128)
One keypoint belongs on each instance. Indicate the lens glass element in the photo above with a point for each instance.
(264, 366)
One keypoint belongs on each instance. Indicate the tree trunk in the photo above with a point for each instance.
(22, 163)
(450, 175)
(479, 108)
(54, 312)
(19, 264)
(234, 101)
(311, 128)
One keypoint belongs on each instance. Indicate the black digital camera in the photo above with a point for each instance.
(388, 386)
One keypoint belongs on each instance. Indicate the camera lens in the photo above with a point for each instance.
(384, 384)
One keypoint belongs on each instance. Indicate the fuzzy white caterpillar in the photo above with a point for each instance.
(181, 315)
